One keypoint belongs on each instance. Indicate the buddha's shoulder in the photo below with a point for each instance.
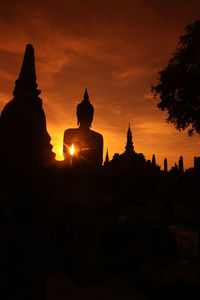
(70, 131)
(96, 134)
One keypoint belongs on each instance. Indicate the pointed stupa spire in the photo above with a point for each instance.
(26, 83)
(129, 144)
(106, 159)
(180, 164)
(153, 160)
(165, 165)
(129, 129)
(107, 154)
(28, 65)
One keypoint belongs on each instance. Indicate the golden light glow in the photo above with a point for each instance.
(109, 56)
(58, 150)
(72, 150)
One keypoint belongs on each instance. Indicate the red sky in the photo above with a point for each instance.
(115, 49)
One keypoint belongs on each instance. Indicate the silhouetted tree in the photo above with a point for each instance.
(179, 82)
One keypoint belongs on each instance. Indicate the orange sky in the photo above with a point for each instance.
(114, 48)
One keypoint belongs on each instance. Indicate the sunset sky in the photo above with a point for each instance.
(115, 49)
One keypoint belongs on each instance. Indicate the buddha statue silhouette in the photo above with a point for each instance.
(83, 146)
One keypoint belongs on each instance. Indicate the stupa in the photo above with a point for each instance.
(25, 141)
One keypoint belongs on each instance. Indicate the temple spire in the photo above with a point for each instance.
(165, 165)
(180, 164)
(106, 159)
(153, 160)
(129, 144)
(26, 83)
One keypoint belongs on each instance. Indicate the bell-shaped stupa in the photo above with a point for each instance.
(25, 141)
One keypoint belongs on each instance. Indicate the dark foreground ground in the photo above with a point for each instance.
(97, 236)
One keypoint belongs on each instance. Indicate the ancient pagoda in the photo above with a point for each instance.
(25, 141)
(129, 144)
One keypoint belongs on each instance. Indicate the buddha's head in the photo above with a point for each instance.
(85, 111)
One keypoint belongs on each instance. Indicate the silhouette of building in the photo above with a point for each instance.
(180, 164)
(165, 165)
(106, 162)
(129, 159)
(129, 153)
(88, 144)
(153, 161)
(25, 141)
(154, 167)
(174, 169)
(129, 144)
(196, 162)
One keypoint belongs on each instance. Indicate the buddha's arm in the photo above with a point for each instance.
(65, 145)
(100, 151)
(64, 151)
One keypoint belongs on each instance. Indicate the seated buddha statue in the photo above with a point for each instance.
(82, 146)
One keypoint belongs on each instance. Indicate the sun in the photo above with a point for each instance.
(72, 150)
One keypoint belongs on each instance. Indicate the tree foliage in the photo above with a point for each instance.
(178, 87)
